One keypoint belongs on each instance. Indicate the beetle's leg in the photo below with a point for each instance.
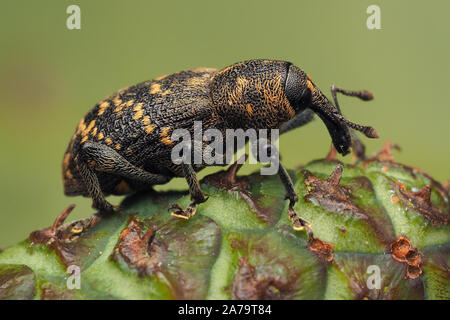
(108, 160)
(299, 120)
(195, 191)
(93, 187)
(358, 147)
(297, 222)
(98, 157)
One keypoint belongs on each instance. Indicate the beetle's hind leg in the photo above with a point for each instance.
(195, 191)
(93, 187)
(98, 157)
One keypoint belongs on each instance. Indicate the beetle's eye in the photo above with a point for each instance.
(297, 91)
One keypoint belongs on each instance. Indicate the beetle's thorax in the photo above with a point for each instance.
(251, 95)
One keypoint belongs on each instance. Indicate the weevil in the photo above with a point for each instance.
(124, 143)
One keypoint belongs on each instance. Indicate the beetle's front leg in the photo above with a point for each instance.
(297, 222)
(195, 191)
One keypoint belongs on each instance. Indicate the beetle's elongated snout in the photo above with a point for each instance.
(337, 125)
(340, 135)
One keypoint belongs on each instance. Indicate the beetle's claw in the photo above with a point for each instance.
(116, 209)
(110, 209)
(298, 223)
(183, 214)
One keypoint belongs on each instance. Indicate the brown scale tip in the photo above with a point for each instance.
(365, 95)
(371, 132)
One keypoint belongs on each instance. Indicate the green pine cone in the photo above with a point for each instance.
(380, 231)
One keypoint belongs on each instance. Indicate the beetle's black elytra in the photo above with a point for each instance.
(124, 143)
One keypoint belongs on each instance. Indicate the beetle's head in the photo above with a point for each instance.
(302, 93)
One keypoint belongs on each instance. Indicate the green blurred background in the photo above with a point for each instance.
(51, 76)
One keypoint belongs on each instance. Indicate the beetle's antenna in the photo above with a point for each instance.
(369, 132)
(361, 94)
(365, 95)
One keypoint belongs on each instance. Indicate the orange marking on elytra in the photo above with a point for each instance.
(203, 69)
(138, 115)
(81, 126)
(165, 136)
(119, 108)
(102, 108)
(66, 160)
(146, 120)
(155, 88)
(117, 101)
(108, 141)
(88, 129)
(69, 174)
(139, 112)
(138, 106)
(118, 146)
(150, 128)
(161, 77)
(167, 141)
(196, 81)
(100, 136)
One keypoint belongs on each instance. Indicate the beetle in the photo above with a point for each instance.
(124, 144)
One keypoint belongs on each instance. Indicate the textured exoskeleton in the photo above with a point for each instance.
(124, 143)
